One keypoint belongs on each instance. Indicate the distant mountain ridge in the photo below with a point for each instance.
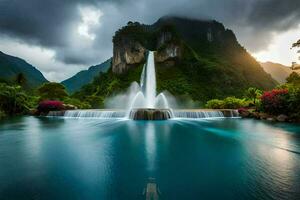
(278, 71)
(84, 77)
(11, 66)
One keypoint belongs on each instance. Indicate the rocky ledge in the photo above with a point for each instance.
(150, 114)
(244, 113)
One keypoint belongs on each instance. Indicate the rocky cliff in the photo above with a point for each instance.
(126, 54)
(195, 59)
(131, 43)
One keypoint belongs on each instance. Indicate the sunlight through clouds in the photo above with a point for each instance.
(279, 50)
(90, 17)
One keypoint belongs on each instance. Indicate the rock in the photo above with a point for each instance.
(33, 112)
(126, 54)
(150, 114)
(170, 51)
(271, 119)
(282, 118)
(244, 113)
(69, 107)
(256, 115)
(263, 116)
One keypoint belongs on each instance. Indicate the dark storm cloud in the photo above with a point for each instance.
(52, 23)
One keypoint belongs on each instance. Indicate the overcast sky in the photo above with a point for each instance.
(61, 38)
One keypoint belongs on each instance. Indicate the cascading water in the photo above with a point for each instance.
(146, 96)
(143, 103)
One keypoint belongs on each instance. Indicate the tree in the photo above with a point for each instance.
(52, 91)
(296, 44)
(294, 78)
(253, 94)
(13, 100)
(21, 79)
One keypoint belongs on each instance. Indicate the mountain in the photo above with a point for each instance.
(84, 77)
(278, 71)
(11, 66)
(197, 59)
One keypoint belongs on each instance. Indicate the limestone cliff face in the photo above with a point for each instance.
(126, 54)
(167, 49)
(129, 51)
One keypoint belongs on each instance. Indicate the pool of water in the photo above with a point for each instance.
(56, 158)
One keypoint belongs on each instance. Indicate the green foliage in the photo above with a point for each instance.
(2, 114)
(253, 94)
(215, 104)
(227, 103)
(294, 78)
(13, 99)
(21, 79)
(52, 91)
(107, 84)
(293, 101)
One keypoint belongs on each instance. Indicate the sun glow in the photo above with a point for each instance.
(279, 50)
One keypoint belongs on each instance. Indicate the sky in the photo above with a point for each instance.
(61, 38)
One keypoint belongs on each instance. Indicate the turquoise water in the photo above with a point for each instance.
(56, 158)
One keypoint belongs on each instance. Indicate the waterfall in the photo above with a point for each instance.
(144, 104)
(195, 114)
(146, 97)
(150, 86)
(93, 113)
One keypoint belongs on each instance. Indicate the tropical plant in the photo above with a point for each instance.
(253, 94)
(13, 99)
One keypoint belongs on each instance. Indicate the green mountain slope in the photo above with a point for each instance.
(197, 59)
(86, 76)
(278, 72)
(11, 66)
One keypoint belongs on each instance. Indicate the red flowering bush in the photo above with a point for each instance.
(242, 110)
(50, 105)
(275, 101)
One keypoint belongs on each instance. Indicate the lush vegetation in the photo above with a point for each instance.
(282, 100)
(13, 100)
(16, 99)
(106, 85)
(204, 70)
(84, 77)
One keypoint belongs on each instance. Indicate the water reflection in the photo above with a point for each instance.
(105, 159)
(150, 147)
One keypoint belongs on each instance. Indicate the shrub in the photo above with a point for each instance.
(50, 105)
(214, 104)
(13, 99)
(227, 103)
(275, 101)
(2, 114)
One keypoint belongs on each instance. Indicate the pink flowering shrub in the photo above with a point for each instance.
(242, 110)
(50, 105)
(275, 101)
